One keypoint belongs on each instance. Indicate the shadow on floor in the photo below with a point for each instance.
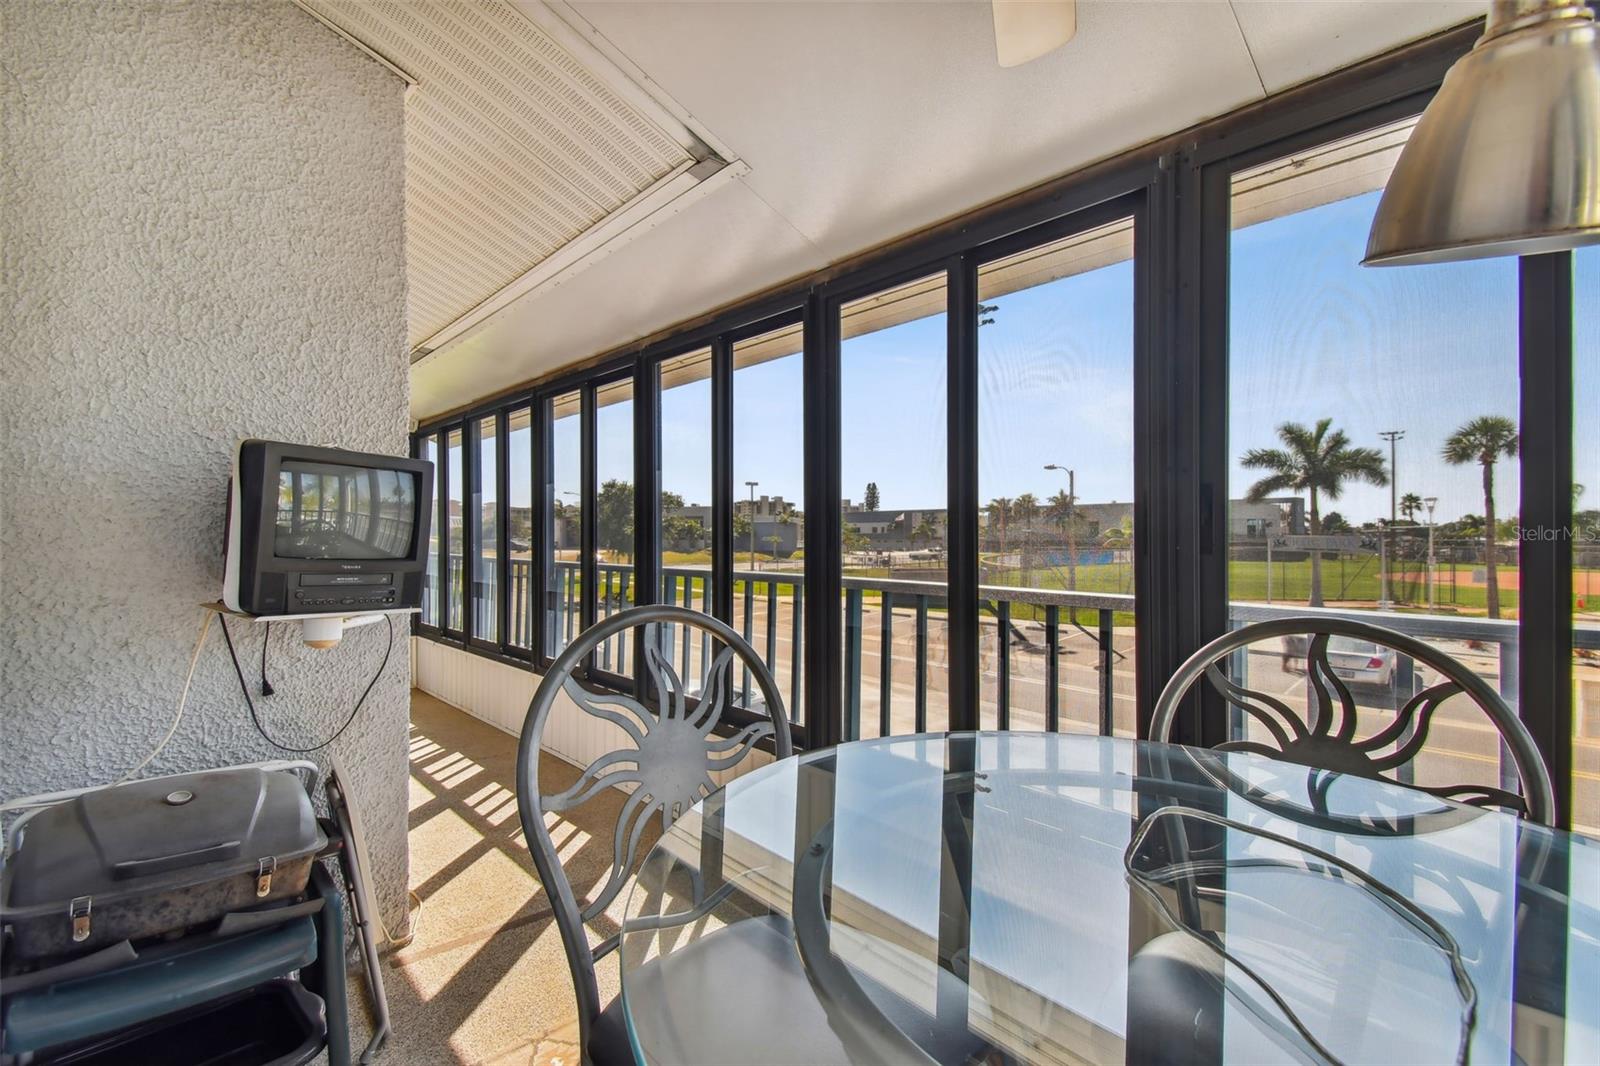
(485, 978)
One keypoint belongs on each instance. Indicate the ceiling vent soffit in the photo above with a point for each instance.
(528, 151)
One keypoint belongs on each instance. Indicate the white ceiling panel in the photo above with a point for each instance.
(864, 121)
(1294, 42)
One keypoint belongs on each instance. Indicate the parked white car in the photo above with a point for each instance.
(1356, 661)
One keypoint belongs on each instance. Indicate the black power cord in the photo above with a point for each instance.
(244, 687)
(266, 639)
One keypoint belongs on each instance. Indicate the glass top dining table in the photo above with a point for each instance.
(1055, 898)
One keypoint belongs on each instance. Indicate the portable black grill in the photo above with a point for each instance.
(125, 910)
(155, 858)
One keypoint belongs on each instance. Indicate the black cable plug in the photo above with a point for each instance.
(244, 690)
(266, 686)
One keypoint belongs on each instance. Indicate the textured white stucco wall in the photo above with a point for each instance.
(202, 211)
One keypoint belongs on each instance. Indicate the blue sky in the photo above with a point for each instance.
(1313, 334)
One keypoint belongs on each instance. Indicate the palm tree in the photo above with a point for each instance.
(1025, 508)
(744, 532)
(999, 510)
(1410, 504)
(1119, 538)
(1317, 462)
(791, 515)
(1483, 441)
(1059, 508)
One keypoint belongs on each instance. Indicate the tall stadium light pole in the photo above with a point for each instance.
(752, 485)
(1268, 525)
(1429, 502)
(1390, 435)
(1384, 599)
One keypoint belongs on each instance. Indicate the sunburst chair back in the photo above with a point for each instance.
(679, 735)
(1333, 734)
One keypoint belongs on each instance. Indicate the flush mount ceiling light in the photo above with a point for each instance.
(1024, 30)
(1506, 159)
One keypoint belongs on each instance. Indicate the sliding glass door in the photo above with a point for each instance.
(483, 514)
(892, 437)
(1372, 445)
(684, 500)
(768, 503)
(563, 519)
(455, 578)
(1056, 483)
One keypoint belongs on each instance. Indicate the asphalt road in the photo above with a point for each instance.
(1462, 748)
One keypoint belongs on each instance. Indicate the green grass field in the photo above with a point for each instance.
(741, 558)
(1360, 581)
(1353, 581)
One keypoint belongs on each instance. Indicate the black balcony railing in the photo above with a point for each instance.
(1050, 659)
(768, 612)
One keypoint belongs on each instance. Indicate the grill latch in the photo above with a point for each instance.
(78, 911)
(264, 870)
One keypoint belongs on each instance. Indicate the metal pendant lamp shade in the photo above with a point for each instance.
(1506, 159)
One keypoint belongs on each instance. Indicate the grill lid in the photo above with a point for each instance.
(155, 835)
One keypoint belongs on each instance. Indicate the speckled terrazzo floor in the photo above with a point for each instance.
(484, 979)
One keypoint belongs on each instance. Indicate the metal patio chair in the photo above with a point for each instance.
(1180, 975)
(677, 747)
(1325, 737)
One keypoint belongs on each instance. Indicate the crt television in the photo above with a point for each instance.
(320, 530)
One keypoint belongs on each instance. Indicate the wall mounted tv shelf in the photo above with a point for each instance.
(319, 630)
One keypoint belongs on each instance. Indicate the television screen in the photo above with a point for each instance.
(330, 511)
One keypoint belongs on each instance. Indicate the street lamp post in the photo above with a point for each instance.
(1072, 534)
(1383, 565)
(752, 517)
(1429, 502)
(1390, 435)
(1267, 525)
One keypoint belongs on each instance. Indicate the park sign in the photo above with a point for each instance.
(1320, 542)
